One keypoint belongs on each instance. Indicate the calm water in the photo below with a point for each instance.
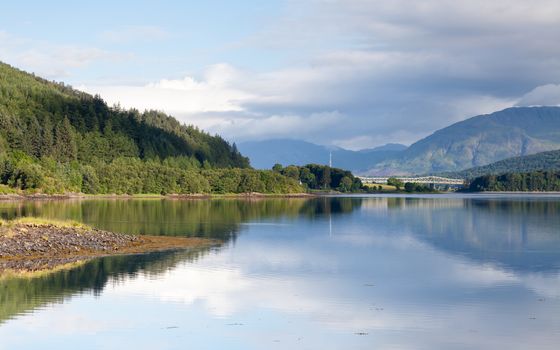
(442, 272)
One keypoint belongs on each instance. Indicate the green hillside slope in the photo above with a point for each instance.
(43, 118)
(536, 162)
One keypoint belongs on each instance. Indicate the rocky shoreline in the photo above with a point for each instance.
(29, 247)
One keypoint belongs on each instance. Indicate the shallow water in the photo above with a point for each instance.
(422, 272)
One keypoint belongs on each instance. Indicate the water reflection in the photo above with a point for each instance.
(518, 234)
(219, 219)
(20, 295)
(330, 273)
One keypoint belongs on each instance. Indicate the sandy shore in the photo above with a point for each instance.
(32, 246)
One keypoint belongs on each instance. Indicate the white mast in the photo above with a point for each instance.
(330, 159)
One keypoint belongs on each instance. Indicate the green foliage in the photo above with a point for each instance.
(26, 176)
(345, 184)
(43, 118)
(248, 180)
(412, 187)
(321, 177)
(90, 181)
(533, 181)
(133, 175)
(393, 181)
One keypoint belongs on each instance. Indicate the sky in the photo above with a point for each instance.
(354, 73)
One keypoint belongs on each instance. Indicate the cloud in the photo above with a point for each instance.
(403, 68)
(352, 73)
(218, 103)
(50, 60)
(544, 95)
(313, 286)
(128, 34)
(368, 73)
(274, 126)
(181, 97)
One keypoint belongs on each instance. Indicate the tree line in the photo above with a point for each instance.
(321, 177)
(127, 175)
(540, 181)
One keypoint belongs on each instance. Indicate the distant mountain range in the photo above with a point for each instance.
(474, 142)
(541, 161)
(264, 154)
(479, 141)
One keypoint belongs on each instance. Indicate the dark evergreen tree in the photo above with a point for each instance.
(47, 139)
(65, 145)
(33, 140)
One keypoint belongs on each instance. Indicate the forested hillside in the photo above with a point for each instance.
(56, 139)
(537, 162)
(43, 118)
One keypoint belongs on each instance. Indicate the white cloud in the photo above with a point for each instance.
(392, 71)
(262, 127)
(232, 285)
(359, 142)
(49, 60)
(181, 97)
(358, 73)
(544, 95)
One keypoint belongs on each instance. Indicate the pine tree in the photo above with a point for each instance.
(47, 141)
(33, 137)
(66, 148)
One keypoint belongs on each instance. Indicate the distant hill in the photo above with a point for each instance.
(44, 118)
(264, 154)
(479, 141)
(544, 161)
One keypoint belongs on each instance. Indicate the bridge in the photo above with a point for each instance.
(435, 180)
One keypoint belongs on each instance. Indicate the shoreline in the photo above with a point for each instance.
(514, 192)
(35, 245)
(246, 196)
(194, 196)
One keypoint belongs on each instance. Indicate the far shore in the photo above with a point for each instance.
(514, 192)
(251, 195)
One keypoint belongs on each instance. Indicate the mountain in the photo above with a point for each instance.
(264, 154)
(544, 161)
(479, 141)
(43, 118)
(397, 147)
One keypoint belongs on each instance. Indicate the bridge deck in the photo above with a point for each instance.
(437, 180)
